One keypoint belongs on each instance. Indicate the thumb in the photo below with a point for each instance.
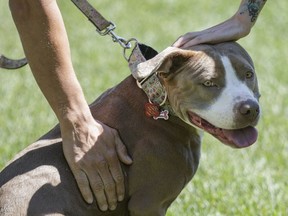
(122, 151)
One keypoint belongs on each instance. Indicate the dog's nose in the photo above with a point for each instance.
(249, 109)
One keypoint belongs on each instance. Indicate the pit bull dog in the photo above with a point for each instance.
(210, 88)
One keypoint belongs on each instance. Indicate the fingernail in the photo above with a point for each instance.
(112, 207)
(89, 200)
(120, 198)
(129, 159)
(104, 208)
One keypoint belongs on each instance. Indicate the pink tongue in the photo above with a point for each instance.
(242, 137)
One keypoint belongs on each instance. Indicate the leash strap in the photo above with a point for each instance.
(103, 27)
(8, 63)
(92, 14)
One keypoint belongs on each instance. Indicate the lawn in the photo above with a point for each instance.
(250, 181)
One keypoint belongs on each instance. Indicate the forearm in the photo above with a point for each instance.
(241, 22)
(46, 47)
(248, 13)
(238, 26)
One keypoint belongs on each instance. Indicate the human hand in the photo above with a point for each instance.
(230, 30)
(91, 150)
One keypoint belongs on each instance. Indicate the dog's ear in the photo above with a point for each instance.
(167, 62)
(174, 62)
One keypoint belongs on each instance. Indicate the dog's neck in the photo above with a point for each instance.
(153, 88)
(157, 97)
(147, 79)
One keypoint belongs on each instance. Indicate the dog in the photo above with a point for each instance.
(210, 88)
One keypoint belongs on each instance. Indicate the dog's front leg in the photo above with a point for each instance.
(145, 205)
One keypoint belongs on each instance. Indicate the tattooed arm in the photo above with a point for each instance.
(238, 26)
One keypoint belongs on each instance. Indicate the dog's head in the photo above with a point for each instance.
(214, 87)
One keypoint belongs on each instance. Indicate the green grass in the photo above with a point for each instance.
(229, 182)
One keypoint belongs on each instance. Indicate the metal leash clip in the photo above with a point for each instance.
(124, 43)
(103, 26)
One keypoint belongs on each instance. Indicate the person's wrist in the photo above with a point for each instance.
(244, 25)
(73, 114)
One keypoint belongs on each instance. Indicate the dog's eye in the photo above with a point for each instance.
(208, 83)
(249, 74)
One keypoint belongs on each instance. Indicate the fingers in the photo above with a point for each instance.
(107, 191)
(179, 42)
(101, 183)
(98, 190)
(110, 171)
(100, 195)
(79, 175)
(119, 183)
(189, 43)
(96, 164)
(118, 177)
(83, 185)
(122, 151)
(187, 38)
(108, 181)
(194, 38)
(115, 167)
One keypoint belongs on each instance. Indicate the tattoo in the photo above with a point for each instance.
(253, 7)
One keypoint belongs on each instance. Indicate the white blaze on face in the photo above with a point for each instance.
(221, 113)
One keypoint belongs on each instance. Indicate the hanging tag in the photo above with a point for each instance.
(152, 110)
(163, 115)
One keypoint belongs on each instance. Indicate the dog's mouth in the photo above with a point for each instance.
(237, 138)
